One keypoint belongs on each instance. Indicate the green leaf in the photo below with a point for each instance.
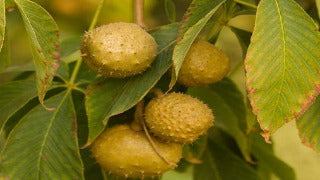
(5, 58)
(4, 42)
(70, 45)
(2, 22)
(196, 149)
(243, 37)
(13, 96)
(170, 9)
(309, 126)
(70, 49)
(282, 63)
(62, 72)
(197, 16)
(226, 102)
(44, 35)
(110, 97)
(44, 144)
(85, 75)
(265, 157)
(17, 69)
(219, 163)
(92, 170)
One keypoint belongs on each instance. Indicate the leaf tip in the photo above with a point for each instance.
(266, 136)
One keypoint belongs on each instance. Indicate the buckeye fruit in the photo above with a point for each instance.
(124, 152)
(204, 64)
(178, 117)
(118, 50)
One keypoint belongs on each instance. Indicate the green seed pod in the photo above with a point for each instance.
(178, 117)
(118, 50)
(127, 153)
(204, 64)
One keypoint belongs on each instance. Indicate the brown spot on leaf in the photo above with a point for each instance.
(10, 9)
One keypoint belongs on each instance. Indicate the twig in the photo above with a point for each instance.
(153, 144)
(138, 12)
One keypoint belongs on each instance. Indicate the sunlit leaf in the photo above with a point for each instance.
(44, 144)
(309, 126)
(282, 63)
(5, 58)
(44, 35)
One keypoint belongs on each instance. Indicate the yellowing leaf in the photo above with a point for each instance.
(282, 63)
(44, 35)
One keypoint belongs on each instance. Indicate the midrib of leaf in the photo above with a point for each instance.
(47, 132)
(167, 46)
(284, 53)
(108, 114)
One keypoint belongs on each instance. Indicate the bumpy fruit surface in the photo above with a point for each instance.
(204, 64)
(118, 49)
(127, 153)
(178, 117)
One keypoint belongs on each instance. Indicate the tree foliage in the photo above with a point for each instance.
(42, 120)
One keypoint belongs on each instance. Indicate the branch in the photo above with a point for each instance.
(138, 12)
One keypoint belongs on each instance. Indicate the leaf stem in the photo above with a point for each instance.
(245, 4)
(138, 12)
(92, 25)
(96, 15)
(75, 71)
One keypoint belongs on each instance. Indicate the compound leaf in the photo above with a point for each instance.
(282, 63)
(44, 144)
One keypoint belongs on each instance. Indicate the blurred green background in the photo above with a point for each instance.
(74, 16)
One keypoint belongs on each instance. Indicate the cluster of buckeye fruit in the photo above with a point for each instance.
(122, 50)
